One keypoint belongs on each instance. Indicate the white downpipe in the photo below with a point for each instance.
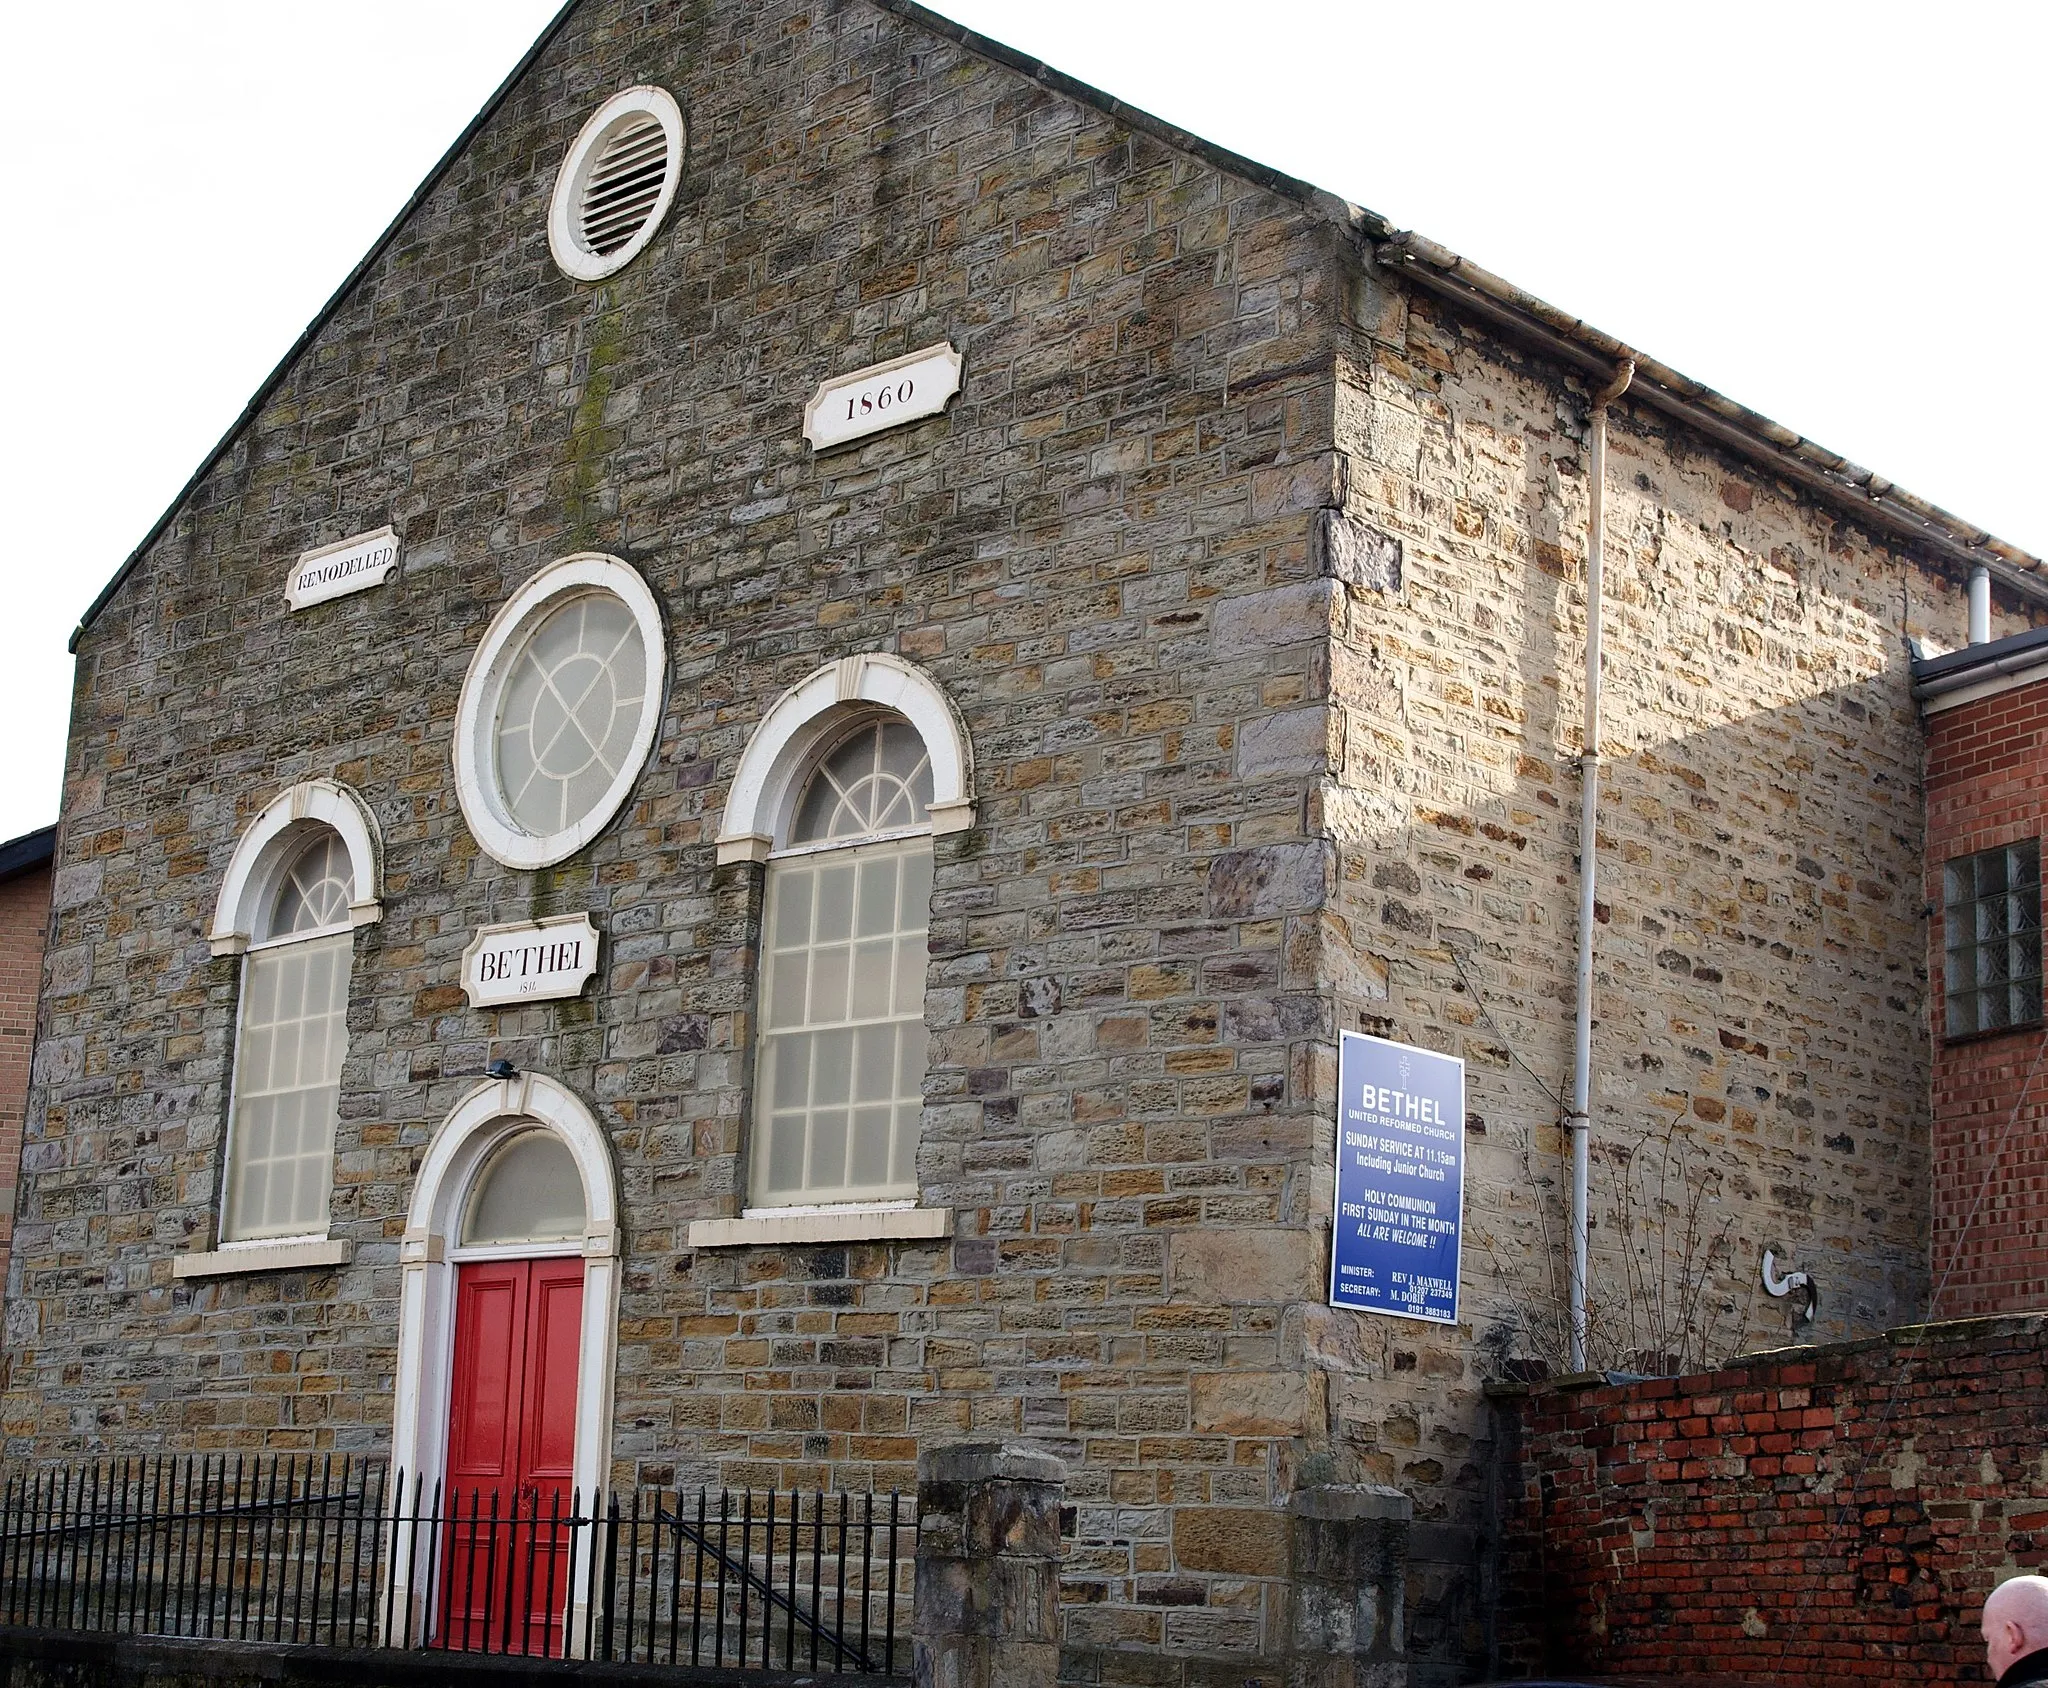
(1980, 605)
(1589, 835)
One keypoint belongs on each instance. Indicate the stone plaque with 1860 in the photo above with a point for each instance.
(850, 407)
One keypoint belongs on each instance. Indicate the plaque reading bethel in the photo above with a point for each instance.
(850, 407)
(334, 571)
(529, 960)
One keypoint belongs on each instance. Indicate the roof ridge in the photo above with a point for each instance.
(1332, 206)
(1860, 492)
(31, 850)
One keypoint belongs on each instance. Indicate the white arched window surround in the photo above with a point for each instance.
(429, 1253)
(764, 789)
(476, 778)
(270, 842)
(773, 769)
(269, 847)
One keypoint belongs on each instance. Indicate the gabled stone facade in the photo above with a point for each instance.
(1255, 578)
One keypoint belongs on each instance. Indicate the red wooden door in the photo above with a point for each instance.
(511, 1444)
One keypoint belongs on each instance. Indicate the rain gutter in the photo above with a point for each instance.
(1863, 494)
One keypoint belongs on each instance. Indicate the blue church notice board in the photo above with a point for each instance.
(1400, 1180)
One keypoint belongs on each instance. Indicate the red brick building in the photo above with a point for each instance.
(24, 924)
(1986, 714)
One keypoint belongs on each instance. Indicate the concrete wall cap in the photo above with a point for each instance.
(1351, 1500)
(981, 1462)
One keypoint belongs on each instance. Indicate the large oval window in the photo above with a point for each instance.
(559, 710)
(530, 1192)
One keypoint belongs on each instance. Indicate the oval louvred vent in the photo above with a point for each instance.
(624, 185)
(617, 183)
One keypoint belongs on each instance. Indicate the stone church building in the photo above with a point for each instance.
(761, 777)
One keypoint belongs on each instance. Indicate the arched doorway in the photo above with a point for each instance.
(512, 1396)
(507, 1339)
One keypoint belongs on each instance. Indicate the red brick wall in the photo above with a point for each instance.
(1815, 1516)
(1987, 784)
(24, 923)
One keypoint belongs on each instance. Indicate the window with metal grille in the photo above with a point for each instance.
(624, 184)
(1991, 923)
(617, 183)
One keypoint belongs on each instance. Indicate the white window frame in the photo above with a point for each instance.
(807, 853)
(764, 787)
(265, 851)
(576, 260)
(476, 718)
(471, 1185)
(269, 845)
(803, 724)
(250, 1245)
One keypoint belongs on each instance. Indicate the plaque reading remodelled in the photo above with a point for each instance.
(850, 407)
(1400, 1180)
(529, 960)
(334, 571)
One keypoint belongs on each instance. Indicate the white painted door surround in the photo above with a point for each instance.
(430, 1251)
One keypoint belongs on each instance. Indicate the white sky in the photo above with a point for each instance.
(1831, 212)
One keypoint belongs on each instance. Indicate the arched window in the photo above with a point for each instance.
(290, 1041)
(840, 1079)
(530, 1192)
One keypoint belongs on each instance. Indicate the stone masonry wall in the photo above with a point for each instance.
(1256, 591)
(1761, 1067)
(1800, 1518)
(24, 923)
(1119, 1094)
(1986, 785)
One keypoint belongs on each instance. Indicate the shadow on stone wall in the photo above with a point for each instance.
(1760, 1023)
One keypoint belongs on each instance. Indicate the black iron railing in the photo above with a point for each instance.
(338, 1551)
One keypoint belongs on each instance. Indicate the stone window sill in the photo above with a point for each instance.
(851, 1225)
(290, 1254)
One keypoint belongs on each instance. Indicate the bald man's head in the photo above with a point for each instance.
(2015, 1621)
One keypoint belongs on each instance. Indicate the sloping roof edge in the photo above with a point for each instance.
(1934, 676)
(1336, 210)
(324, 316)
(28, 852)
(1858, 492)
